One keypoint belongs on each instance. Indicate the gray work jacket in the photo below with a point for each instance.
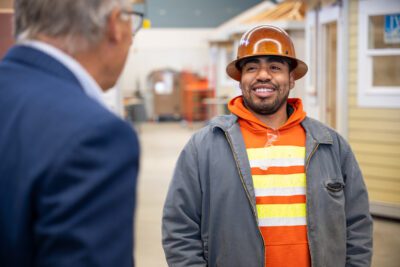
(210, 218)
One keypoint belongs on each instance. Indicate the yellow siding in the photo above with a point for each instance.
(368, 136)
(381, 114)
(384, 175)
(371, 159)
(383, 195)
(375, 124)
(374, 134)
(385, 150)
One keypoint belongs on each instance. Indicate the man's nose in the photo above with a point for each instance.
(263, 74)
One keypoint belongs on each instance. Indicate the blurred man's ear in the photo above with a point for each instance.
(291, 80)
(240, 86)
(114, 31)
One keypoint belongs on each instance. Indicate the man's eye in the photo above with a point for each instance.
(250, 68)
(274, 67)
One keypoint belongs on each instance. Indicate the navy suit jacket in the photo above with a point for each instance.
(68, 170)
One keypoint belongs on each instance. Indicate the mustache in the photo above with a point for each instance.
(265, 84)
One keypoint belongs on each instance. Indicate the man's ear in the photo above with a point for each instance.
(114, 29)
(291, 80)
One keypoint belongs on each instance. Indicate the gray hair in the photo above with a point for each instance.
(79, 22)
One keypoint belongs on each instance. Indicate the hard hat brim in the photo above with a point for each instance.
(233, 72)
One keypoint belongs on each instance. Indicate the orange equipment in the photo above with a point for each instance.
(195, 90)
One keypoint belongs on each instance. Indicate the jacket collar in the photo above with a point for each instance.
(223, 122)
(315, 129)
(34, 58)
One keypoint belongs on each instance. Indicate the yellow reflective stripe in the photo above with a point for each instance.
(276, 152)
(278, 180)
(281, 210)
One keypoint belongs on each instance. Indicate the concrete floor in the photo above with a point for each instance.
(161, 145)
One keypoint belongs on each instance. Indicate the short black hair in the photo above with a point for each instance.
(291, 62)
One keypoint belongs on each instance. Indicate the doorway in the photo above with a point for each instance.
(326, 53)
(329, 65)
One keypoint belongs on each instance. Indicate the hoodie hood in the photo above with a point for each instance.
(249, 121)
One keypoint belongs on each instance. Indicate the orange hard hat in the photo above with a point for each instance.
(265, 40)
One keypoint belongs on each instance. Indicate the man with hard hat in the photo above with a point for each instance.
(267, 185)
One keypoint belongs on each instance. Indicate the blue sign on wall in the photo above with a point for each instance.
(392, 29)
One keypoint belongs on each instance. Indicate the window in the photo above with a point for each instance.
(379, 54)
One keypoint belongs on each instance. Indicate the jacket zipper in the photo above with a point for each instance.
(312, 153)
(316, 145)
(247, 193)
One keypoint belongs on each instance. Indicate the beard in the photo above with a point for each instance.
(266, 106)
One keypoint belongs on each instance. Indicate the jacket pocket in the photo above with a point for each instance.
(334, 186)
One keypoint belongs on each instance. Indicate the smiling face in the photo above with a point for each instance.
(265, 83)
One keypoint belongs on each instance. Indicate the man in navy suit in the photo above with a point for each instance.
(68, 166)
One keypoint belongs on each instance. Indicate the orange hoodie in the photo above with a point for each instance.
(277, 166)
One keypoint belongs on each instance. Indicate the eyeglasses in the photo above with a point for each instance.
(136, 19)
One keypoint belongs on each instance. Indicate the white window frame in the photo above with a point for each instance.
(314, 80)
(311, 57)
(369, 95)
